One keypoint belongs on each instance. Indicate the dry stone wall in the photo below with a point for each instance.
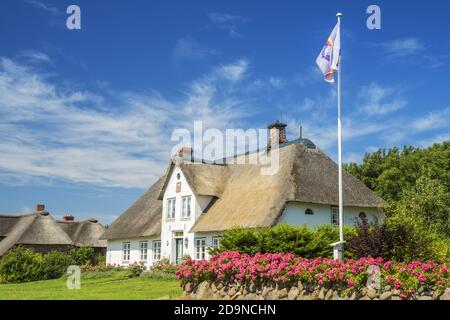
(302, 291)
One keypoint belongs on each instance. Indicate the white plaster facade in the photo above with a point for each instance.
(295, 214)
(175, 230)
(116, 254)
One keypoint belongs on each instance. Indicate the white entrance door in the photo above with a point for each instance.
(179, 250)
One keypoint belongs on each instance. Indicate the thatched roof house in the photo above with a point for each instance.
(225, 194)
(243, 196)
(41, 232)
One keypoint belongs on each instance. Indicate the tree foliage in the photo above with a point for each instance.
(390, 172)
(416, 184)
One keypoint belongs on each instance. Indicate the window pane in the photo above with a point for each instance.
(188, 206)
(156, 250)
(173, 209)
(143, 250)
(126, 251)
(169, 207)
(334, 215)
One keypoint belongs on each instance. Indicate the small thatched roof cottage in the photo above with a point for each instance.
(40, 232)
(186, 210)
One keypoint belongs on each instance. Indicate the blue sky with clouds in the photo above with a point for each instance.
(86, 115)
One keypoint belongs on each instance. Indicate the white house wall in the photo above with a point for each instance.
(170, 227)
(114, 255)
(294, 214)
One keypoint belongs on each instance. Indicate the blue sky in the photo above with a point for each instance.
(86, 115)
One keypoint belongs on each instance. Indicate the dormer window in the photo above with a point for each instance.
(186, 207)
(171, 208)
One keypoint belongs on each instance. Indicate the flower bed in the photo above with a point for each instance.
(407, 280)
(165, 266)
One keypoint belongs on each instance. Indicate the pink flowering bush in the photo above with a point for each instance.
(287, 268)
(165, 266)
(136, 269)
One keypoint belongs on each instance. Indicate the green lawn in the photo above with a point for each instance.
(95, 286)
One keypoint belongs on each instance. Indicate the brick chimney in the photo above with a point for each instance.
(277, 132)
(68, 218)
(40, 207)
(185, 153)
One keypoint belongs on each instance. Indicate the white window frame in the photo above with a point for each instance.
(334, 216)
(186, 208)
(143, 250)
(156, 246)
(171, 208)
(126, 251)
(200, 248)
(217, 240)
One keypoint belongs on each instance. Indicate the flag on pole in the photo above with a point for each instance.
(328, 58)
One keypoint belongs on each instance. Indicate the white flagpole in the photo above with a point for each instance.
(341, 204)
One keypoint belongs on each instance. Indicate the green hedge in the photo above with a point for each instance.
(21, 265)
(300, 240)
(24, 265)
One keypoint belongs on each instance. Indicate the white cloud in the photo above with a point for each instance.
(276, 82)
(309, 76)
(234, 71)
(188, 48)
(410, 51)
(434, 120)
(369, 122)
(227, 22)
(403, 47)
(352, 157)
(378, 100)
(36, 56)
(435, 139)
(42, 6)
(50, 133)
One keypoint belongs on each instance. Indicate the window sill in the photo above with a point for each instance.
(170, 220)
(185, 219)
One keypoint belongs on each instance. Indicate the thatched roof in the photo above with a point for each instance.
(305, 175)
(142, 219)
(246, 198)
(86, 232)
(204, 179)
(31, 229)
(39, 228)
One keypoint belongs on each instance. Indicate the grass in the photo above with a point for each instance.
(112, 285)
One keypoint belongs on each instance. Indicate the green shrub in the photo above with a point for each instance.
(239, 239)
(83, 255)
(135, 270)
(391, 240)
(441, 250)
(285, 238)
(300, 240)
(100, 268)
(55, 265)
(21, 265)
(323, 237)
(100, 260)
